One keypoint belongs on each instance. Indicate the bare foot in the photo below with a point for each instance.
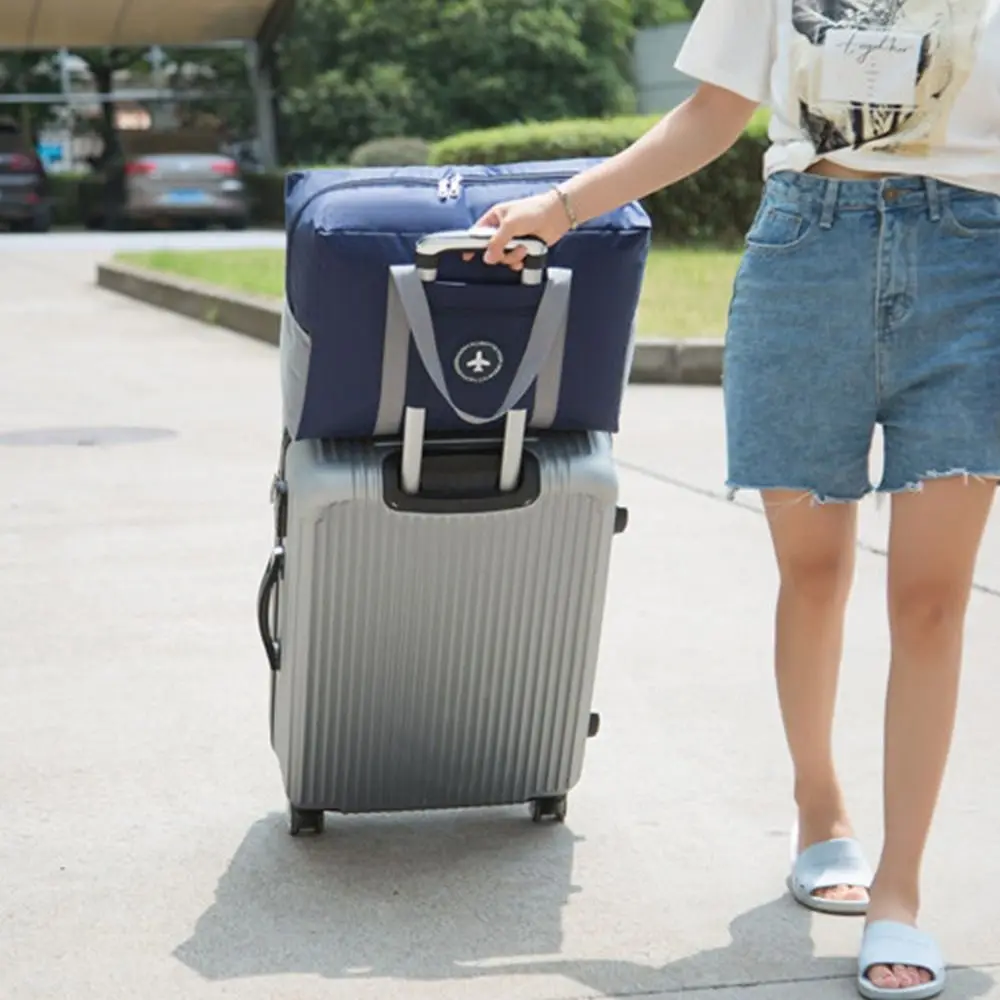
(814, 829)
(895, 977)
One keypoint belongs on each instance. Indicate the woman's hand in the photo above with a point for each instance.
(541, 215)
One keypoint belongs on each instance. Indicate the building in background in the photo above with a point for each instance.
(658, 85)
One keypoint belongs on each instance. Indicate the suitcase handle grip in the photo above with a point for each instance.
(265, 594)
(431, 247)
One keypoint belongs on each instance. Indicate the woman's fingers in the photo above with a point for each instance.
(515, 259)
(493, 218)
(509, 228)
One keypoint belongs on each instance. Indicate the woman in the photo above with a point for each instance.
(869, 293)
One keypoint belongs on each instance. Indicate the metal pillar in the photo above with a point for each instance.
(260, 81)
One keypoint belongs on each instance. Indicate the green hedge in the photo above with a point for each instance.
(400, 152)
(715, 205)
(266, 193)
(64, 190)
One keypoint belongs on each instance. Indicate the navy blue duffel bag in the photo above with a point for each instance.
(382, 312)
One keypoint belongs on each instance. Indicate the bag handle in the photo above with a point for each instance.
(547, 332)
(431, 247)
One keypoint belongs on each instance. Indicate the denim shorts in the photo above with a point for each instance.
(858, 303)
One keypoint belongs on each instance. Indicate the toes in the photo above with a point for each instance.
(843, 893)
(897, 977)
(883, 977)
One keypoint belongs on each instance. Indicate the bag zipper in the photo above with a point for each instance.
(449, 187)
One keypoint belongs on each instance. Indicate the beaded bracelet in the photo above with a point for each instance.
(568, 206)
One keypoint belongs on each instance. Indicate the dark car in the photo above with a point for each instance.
(166, 178)
(24, 186)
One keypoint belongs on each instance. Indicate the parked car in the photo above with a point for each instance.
(164, 179)
(24, 188)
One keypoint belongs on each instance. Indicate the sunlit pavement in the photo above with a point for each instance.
(143, 849)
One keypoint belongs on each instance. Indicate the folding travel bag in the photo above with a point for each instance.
(349, 367)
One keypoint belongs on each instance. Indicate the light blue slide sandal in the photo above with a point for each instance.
(825, 865)
(887, 942)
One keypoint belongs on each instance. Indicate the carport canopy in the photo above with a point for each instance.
(54, 24)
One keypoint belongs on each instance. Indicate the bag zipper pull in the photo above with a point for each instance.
(450, 187)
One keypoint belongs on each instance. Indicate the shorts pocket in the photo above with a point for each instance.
(778, 228)
(973, 216)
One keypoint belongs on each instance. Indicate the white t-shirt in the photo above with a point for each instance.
(889, 86)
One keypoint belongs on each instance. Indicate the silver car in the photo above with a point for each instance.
(154, 184)
(196, 187)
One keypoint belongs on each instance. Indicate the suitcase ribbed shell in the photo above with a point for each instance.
(431, 660)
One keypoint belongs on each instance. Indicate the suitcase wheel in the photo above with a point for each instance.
(551, 807)
(594, 726)
(305, 821)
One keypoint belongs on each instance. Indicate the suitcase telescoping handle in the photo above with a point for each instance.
(431, 247)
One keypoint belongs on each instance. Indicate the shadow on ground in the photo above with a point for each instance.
(456, 897)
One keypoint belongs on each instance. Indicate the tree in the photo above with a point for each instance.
(29, 73)
(103, 65)
(223, 71)
(354, 70)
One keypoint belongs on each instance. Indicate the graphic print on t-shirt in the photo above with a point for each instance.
(880, 74)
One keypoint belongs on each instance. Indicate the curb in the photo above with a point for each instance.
(656, 361)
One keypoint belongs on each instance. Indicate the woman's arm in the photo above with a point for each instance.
(686, 139)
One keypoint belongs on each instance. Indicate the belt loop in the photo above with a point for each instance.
(934, 196)
(829, 203)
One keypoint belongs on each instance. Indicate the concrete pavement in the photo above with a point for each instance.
(142, 842)
(79, 241)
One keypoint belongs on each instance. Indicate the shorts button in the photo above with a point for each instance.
(891, 195)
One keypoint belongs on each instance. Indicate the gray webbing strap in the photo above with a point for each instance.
(549, 382)
(294, 351)
(408, 312)
(395, 362)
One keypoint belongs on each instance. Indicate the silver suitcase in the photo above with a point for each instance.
(432, 613)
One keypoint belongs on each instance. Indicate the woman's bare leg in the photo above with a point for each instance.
(933, 543)
(814, 545)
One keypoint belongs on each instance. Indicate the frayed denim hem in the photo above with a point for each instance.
(916, 485)
(817, 498)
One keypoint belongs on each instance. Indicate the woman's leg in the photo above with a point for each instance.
(933, 543)
(814, 545)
